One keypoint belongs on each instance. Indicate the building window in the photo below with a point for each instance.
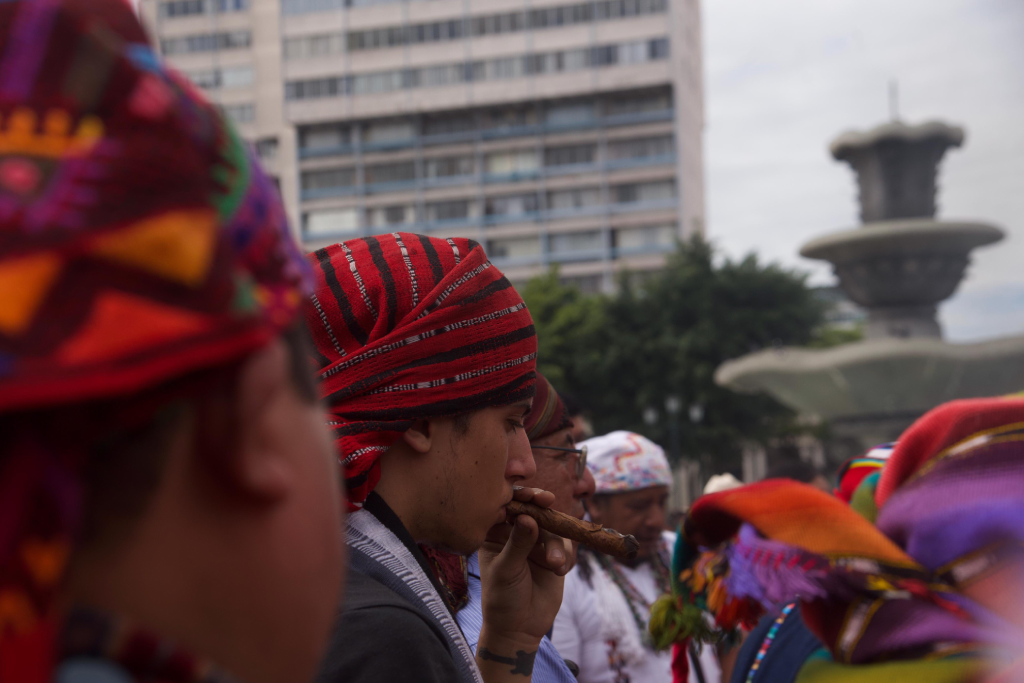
(642, 148)
(471, 72)
(569, 113)
(328, 179)
(307, 6)
(569, 155)
(236, 76)
(304, 47)
(508, 67)
(448, 167)
(206, 42)
(401, 172)
(185, 8)
(512, 163)
(389, 131)
(266, 148)
(448, 124)
(239, 113)
(657, 48)
(512, 205)
(332, 222)
(508, 118)
(577, 198)
(229, 77)
(386, 216)
(514, 247)
(644, 192)
(453, 210)
(324, 137)
(570, 242)
(645, 236)
(638, 103)
(388, 37)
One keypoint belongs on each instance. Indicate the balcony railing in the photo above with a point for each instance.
(475, 179)
(491, 133)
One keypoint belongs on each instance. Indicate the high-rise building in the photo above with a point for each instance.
(551, 131)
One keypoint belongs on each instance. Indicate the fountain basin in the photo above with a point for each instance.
(911, 262)
(879, 376)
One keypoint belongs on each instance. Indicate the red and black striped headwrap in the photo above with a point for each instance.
(405, 327)
(548, 414)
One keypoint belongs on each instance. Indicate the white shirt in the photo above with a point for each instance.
(580, 633)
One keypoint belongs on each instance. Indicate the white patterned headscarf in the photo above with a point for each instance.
(624, 461)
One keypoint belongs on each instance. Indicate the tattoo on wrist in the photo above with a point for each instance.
(521, 664)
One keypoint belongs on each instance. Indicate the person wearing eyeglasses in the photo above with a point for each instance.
(602, 623)
(562, 470)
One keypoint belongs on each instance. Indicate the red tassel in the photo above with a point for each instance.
(680, 662)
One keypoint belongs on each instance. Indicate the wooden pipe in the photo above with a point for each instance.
(607, 541)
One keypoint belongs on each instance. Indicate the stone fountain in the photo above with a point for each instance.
(899, 265)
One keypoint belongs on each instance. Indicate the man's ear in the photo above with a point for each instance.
(259, 465)
(420, 435)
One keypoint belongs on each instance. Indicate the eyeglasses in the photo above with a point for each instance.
(581, 462)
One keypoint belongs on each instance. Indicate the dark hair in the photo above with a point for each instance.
(794, 469)
(571, 403)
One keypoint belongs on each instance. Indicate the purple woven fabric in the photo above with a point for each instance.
(960, 506)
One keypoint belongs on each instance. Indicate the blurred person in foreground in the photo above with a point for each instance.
(427, 359)
(169, 498)
(602, 625)
(933, 591)
(562, 470)
(778, 647)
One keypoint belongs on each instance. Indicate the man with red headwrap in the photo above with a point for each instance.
(426, 355)
(168, 492)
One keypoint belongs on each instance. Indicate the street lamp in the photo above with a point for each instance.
(650, 416)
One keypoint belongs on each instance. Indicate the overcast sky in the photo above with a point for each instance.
(784, 77)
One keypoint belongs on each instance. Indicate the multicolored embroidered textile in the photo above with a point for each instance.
(139, 242)
(623, 461)
(138, 239)
(548, 414)
(406, 327)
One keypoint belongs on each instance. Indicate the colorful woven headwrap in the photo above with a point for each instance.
(138, 242)
(407, 327)
(548, 414)
(952, 494)
(855, 470)
(623, 461)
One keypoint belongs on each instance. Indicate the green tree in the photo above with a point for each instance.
(664, 335)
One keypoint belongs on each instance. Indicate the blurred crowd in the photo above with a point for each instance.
(225, 460)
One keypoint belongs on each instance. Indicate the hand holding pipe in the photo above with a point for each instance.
(594, 536)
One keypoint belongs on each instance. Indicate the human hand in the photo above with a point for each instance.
(522, 570)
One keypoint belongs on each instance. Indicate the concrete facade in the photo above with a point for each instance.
(551, 131)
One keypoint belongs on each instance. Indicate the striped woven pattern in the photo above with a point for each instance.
(407, 326)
